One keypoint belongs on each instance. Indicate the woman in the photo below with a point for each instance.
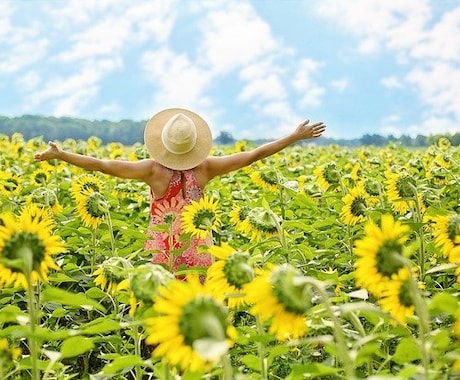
(179, 142)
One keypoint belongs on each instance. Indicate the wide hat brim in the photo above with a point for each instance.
(189, 160)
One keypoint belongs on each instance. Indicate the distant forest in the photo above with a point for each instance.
(129, 132)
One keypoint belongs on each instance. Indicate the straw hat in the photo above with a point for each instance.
(178, 138)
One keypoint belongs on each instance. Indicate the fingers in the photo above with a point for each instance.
(318, 129)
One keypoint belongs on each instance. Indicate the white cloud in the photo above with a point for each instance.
(234, 36)
(439, 88)
(303, 81)
(29, 81)
(262, 89)
(176, 79)
(442, 42)
(378, 22)
(70, 94)
(340, 85)
(391, 82)
(426, 45)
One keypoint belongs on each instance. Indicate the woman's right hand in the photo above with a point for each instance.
(52, 152)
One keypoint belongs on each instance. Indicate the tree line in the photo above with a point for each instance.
(129, 132)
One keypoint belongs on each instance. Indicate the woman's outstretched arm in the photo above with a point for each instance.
(222, 165)
(124, 169)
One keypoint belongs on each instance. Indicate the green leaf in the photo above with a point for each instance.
(122, 363)
(444, 302)
(407, 351)
(64, 297)
(313, 370)
(96, 293)
(76, 346)
(251, 361)
(100, 326)
(11, 313)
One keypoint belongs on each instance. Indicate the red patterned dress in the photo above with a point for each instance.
(165, 243)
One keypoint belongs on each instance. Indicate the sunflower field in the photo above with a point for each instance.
(329, 263)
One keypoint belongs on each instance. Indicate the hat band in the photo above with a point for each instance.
(179, 134)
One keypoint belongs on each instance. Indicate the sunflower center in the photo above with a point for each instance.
(92, 186)
(237, 270)
(389, 259)
(28, 240)
(40, 178)
(358, 206)
(204, 219)
(95, 204)
(291, 291)
(405, 186)
(453, 227)
(243, 213)
(202, 318)
(405, 294)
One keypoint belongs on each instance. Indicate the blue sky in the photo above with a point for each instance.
(254, 68)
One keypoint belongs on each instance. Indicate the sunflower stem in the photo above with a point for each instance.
(27, 255)
(112, 239)
(419, 219)
(261, 350)
(424, 326)
(137, 350)
(342, 349)
(228, 370)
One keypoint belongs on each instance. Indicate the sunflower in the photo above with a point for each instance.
(230, 273)
(201, 217)
(26, 246)
(239, 218)
(112, 274)
(241, 146)
(397, 298)
(91, 207)
(328, 176)
(191, 329)
(380, 253)
(443, 160)
(401, 192)
(280, 295)
(40, 176)
(356, 204)
(446, 232)
(8, 355)
(87, 182)
(267, 178)
(262, 223)
(10, 184)
(145, 282)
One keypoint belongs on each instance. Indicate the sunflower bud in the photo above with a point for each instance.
(291, 289)
(113, 274)
(146, 280)
(237, 270)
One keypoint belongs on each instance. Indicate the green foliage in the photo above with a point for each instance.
(87, 331)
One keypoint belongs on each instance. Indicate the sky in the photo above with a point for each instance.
(252, 68)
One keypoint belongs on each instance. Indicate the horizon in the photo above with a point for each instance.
(253, 68)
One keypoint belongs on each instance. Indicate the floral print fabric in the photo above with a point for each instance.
(165, 226)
